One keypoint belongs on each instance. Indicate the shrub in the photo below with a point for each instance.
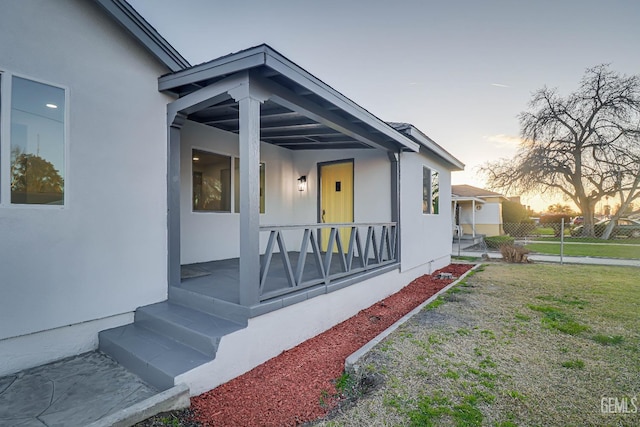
(519, 229)
(554, 220)
(514, 253)
(495, 242)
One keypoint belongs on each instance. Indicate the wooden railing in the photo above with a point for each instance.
(340, 250)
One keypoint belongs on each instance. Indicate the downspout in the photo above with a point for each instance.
(394, 160)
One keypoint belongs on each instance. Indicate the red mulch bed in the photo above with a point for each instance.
(288, 389)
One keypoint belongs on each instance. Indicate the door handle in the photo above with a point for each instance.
(323, 212)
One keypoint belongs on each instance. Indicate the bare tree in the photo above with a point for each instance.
(583, 145)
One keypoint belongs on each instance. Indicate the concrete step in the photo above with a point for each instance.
(155, 358)
(204, 303)
(198, 330)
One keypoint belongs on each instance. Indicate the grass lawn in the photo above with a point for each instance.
(571, 239)
(606, 249)
(512, 345)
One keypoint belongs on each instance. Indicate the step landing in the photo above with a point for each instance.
(166, 340)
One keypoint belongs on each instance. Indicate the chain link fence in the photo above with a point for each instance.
(562, 240)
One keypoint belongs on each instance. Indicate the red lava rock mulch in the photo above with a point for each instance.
(297, 386)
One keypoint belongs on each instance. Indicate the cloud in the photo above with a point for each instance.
(499, 85)
(502, 140)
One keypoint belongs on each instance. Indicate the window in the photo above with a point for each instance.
(430, 191)
(211, 182)
(212, 185)
(37, 143)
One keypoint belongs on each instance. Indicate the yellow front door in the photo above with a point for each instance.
(336, 199)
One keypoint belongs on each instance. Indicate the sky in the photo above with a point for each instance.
(459, 70)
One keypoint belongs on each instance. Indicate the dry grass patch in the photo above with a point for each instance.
(513, 345)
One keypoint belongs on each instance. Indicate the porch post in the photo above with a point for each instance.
(394, 159)
(173, 198)
(249, 117)
(473, 218)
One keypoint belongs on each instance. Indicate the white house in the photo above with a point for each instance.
(192, 221)
(476, 211)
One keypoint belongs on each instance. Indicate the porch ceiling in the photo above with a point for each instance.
(279, 126)
(304, 113)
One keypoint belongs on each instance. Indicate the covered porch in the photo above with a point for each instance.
(264, 112)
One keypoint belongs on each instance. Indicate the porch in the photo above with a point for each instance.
(311, 269)
(256, 108)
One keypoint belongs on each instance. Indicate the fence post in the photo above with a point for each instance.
(561, 241)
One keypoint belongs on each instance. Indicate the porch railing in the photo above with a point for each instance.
(326, 252)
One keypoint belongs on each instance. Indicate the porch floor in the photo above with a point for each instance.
(221, 279)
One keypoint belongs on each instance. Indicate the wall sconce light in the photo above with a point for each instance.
(302, 183)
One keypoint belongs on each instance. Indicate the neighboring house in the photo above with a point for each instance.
(476, 211)
(193, 221)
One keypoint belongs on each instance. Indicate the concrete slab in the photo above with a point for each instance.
(72, 392)
(556, 259)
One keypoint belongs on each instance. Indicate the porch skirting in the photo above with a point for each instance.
(269, 334)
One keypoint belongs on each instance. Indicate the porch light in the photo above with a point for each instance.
(302, 183)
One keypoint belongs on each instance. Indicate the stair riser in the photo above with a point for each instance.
(207, 304)
(144, 370)
(204, 344)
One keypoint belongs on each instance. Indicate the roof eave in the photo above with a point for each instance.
(457, 198)
(264, 55)
(432, 146)
(125, 15)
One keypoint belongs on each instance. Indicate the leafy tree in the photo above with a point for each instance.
(515, 219)
(561, 209)
(514, 212)
(32, 174)
(584, 145)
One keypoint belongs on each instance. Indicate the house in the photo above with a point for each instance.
(193, 221)
(476, 211)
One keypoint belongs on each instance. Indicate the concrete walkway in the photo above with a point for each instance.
(72, 392)
(556, 258)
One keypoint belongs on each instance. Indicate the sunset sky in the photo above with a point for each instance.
(460, 71)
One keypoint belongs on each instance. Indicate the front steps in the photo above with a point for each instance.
(170, 338)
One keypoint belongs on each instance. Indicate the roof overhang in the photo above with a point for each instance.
(428, 144)
(455, 198)
(124, 14)
(300, 112)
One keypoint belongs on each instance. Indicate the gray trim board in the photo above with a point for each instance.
(223, 66)
(125, 15)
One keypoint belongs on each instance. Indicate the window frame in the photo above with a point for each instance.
(6, 87)
(233, 158)
(428, 207)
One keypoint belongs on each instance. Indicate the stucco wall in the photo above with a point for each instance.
(488, 219)
(215, 235)
(425, 238)
(300, 321)
(372, 183)
(103, 253)
(207, 236)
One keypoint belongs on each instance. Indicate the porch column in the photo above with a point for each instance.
(394, 159)
(249, 117)
(473, 218)
(173, 198)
